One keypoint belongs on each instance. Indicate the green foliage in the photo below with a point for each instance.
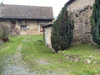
(87, 73)
(62, 31)
(95, 22)
(4, 32)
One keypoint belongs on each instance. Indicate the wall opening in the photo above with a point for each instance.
(12, 25)
(76, 15)
(23, 27)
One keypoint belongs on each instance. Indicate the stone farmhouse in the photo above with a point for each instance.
(25, 19)
(80, 11)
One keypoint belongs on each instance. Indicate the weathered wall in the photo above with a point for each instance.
(48, 35)
(81, 11)
(79, 4)
(82, 27)
(7, 21)
(33, 26)
(43, 23)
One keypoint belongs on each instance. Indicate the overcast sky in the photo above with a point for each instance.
(56, 4)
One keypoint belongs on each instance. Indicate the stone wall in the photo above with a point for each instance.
(81, 11)
(79, 4)
(82, 27)
(48, 35)
(32, 26)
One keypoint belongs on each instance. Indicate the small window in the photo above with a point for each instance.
(20, 22)
(23, 27)
(13, 24)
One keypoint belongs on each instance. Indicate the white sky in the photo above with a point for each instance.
(56, 4)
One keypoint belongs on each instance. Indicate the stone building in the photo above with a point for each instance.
(81, 11)
(47, 33)
(25, 19)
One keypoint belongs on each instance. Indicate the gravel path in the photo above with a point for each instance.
(15, 66)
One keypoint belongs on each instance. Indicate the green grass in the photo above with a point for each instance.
(37, 51)
(41, 59)
(84, 52)
(8, 49)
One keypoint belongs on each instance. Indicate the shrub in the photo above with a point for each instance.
(14, 32)
(95, 22)
(4, 32)
(62, 31)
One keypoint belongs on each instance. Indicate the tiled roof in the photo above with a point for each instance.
(25, 12)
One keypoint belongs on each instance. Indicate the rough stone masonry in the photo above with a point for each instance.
(82, 28)
(81, 11)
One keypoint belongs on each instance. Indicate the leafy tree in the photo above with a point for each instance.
(95, 22)
(62, 31)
